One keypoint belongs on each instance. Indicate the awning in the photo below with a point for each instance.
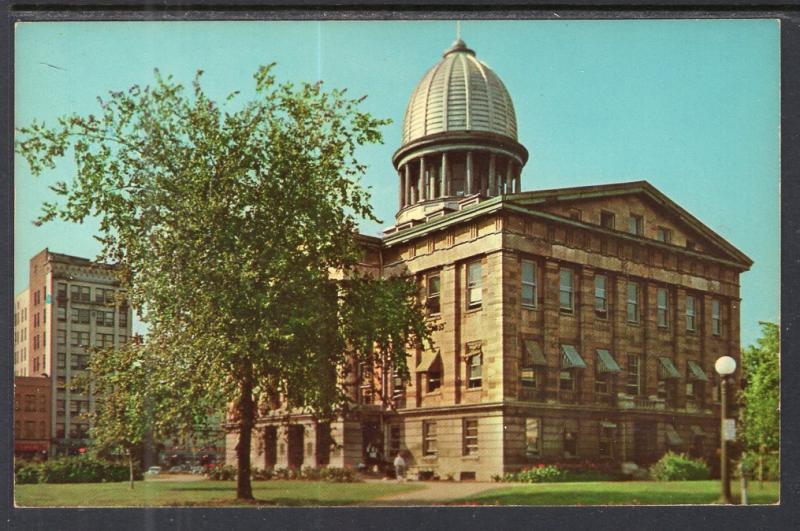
(473, 349)
(697, 431)
(696, 372)
(428, 359)
(535, 352)
(606, 424)
(570, 359)
(667, 370)
(673, 438)
(606, 361)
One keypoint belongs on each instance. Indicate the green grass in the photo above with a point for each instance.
(203, 493)
(619, 493)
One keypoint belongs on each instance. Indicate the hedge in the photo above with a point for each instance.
(83, 469)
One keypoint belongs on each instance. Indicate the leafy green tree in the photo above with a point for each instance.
(760, 413)
(228, 221)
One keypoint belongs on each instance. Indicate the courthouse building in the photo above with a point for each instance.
(571, 324)
(71, 303)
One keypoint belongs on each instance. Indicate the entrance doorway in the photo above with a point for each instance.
(295, 440)
(645, 435)
(372, 443)
(270, 447)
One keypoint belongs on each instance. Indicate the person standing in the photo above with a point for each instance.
(400, 468)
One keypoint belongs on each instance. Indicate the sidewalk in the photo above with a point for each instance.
(432, 492)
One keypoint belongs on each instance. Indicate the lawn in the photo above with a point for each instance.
(203, 493)
(619, 493)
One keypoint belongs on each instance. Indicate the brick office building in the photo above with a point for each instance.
(572, 324)
(31, 417)
(72, 303)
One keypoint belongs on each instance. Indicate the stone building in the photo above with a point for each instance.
(72, 303)
(572, 324)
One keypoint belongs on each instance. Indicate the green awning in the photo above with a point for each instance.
(697, 431)
(673, 438)
(570, 359)
(606, 361)
(428, 359)
(667, 370)
(696, 372)
(535, 352)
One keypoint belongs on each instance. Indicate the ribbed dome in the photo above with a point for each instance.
(459, 93)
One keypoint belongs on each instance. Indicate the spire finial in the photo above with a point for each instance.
(458, 30)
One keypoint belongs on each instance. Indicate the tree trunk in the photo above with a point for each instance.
(244, 489)
(130, 466)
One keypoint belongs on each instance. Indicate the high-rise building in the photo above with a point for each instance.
(21, 334)
(571, 324)
(72, 303)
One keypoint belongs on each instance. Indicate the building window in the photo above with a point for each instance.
(716, 320)
(528, 369)
(104, 318)
(429, 438)
(80, 316)
(475, 370)
(607, 219)
(433, 301)
(566, 290)
(434, 376)
(80, 293)
(633, 302)
(123, 319)
(470, 436)
(635, 225)
(533, 437)
(79, 339)
(529, 283)
(690, 313)
(61, 291)
(662, 303)
(570, 443)
(664, 235)
(600, 296)
(690, 245)
(61, 313)
(633, 382)
(607, 438)
(566, 380)
(394, 439)
(474, 291)
(600, 379)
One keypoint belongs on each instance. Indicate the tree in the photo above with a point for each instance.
(228, 223)
(760, 414)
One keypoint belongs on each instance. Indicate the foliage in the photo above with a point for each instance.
(679, 467)
(221, 473)
(760, 414)
(308, 473)
(539, 474)
(227, 223)
(82, 469)
(768, 464)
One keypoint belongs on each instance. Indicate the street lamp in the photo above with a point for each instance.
(724, 366)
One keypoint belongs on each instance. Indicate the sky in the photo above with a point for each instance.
(692, 106)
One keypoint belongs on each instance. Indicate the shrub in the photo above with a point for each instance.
(82, 469)
(222, 473)
(771, 463)
(338, 475)
(260, 474)
(679, 467)
(310, 473)
(27, 473)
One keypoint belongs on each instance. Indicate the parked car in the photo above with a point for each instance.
(154, 470)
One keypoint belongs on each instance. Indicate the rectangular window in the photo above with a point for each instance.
(600, 296)
(566, 299)
(533, 437)
(600, 379)
(475, 370)
(434, 376)
(395, 439)
(716, 320)
(690, 313)
(662, 303)
(633, 302)
(61, 313)
(61, 291)
(633, 382)
(79, 339)
(664, 235)
(474, 290)
(529, 283)
(61, 360)
(80, 316)
(470, 437)
(434, 291)
(428, 438)
(80, 293)
(123, 339)
(690, 245)
(635, 225)
(61, 337)
(607, 219)
(566, 380)
(123, 319)
(528, 364)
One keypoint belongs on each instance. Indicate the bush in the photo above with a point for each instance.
(338, 475)
(539, 474)
(260, 474)
(221, 473)
(82, 469)
(679, 467)
(772, 466)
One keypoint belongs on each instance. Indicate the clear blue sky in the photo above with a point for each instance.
(691, 106)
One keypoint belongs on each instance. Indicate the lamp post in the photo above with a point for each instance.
(724, 366)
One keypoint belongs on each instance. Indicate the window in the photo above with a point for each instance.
(394, 439)
(61, 313)
(123, 319)
(690, 313)
(474, 370)
(662, 304)
(529, 283)
(474, 292)
(690, 245)
(600, 296)
(80, 293)
(566, 380)
(79, 339)
(433, 287)
(80, 316)
(633, 302)
(530, 351)
(61, 337)
(62, 360)
(123, 339)
(61, 291)
(566, 302)
(575, 213)
(60, 430)
(716, 320)
(633, 383)
(60, 405)
(607, 439)
(105, 318)
(600, 378)
(570, 443)
(607, 220)
(429, 438)
(635, 225)
(533, 437)
(434, 376)
(663, 235)
(104, 340)
(470, 436)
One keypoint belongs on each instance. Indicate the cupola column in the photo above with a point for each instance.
(510, 180)
(407, 184)
(469, 174)
(518, 177)
(423, 180)
(492, 172)
(402, 188)
(443, 180)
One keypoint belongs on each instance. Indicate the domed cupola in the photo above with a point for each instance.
(459, 137)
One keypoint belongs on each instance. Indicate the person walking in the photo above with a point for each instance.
(400, 468)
